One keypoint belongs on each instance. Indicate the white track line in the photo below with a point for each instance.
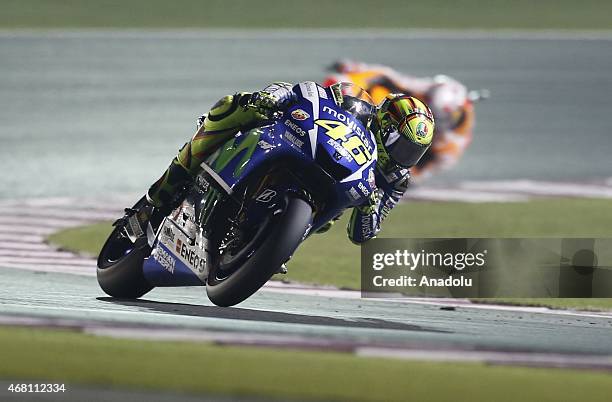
(32, 239)
(19, 229)
(58, 269)
(10, 245)
(40, 221)
(523, 359)
(83, 262)
(49, 253)
(549, 189)
(463, 195)
(75, 214)
(24, 223)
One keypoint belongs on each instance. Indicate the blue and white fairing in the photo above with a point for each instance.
(178, 256)
(313, 131)
(313, 134)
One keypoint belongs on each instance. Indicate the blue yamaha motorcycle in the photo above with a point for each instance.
(257, 198)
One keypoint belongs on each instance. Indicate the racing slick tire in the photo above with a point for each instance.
(271, 246)
(120, 266)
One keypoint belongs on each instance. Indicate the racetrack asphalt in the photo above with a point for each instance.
(102, 113)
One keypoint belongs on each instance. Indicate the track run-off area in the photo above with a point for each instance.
(88, 115)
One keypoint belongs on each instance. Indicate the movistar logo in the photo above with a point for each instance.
(350, 124)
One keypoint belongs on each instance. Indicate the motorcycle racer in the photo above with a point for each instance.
(403, 127)
(449, 100)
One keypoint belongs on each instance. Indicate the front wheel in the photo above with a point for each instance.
(120, 266)
(237, 274)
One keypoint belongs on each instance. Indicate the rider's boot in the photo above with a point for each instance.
(325, 228)
(163, 196)
(163, 193)
(282, 270)
(135, 220)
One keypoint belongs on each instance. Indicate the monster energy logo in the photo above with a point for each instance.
(231, 150)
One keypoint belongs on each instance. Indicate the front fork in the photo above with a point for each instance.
(207, 205)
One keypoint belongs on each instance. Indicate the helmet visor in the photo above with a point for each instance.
(407, 143)
(405, 152)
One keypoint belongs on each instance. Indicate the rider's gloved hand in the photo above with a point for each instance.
(264, 103)
(274, 98)
(372, 204)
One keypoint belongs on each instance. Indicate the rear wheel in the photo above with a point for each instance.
(242, 266)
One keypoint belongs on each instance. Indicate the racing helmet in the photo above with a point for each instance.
(405, 129)
(354, 100)
(447, 98)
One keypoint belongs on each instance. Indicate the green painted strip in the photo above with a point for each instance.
(564, 14)
(74, 358)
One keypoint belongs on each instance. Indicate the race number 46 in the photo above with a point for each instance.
(339, 131)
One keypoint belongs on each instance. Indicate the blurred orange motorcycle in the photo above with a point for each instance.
(450, 101)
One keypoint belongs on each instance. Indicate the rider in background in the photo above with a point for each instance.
(403, 127)
(447, 98)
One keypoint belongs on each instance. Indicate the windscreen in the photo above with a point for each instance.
(355, 100)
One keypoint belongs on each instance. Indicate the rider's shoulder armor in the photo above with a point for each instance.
(309, 89)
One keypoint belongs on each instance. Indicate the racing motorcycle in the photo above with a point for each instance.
(256, 199)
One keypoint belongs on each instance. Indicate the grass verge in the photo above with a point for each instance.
(58, 356)
(493, 14)
(87, 240)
